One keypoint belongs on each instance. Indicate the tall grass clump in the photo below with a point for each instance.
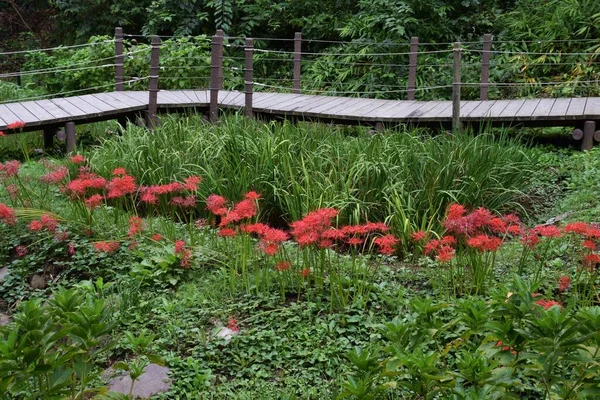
(399, 176)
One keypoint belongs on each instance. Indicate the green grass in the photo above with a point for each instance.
(399, 175)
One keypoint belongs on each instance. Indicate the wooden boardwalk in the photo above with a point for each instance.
(47, 114)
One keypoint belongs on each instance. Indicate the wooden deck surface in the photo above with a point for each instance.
(102, 106)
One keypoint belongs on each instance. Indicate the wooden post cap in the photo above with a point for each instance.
(61, 135)
(577, 134)
(597, 136)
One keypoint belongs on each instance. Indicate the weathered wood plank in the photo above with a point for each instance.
(88, 109)
(119, 100)
(165, 98)
(266, 100)
(371, 110)
(53, 109)
(231, 99)
(284, 103)
(592, 108)
(40, 113)
(431, 112)
(527, 108)
(97, 103)
(22, 113)
(576, 108)
(481, 111)
(355, 107)
(560, 107)
(543, 108)
(387, 111)
(308, 108)
(408, 111)
(7, 115)
(495, 110)
(68, 107)
(511, 109)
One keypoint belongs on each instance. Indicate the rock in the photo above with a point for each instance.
(4, 319)
(155, 379)
(38, 281)
(3, 273)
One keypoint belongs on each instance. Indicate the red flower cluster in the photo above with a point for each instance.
(46, 222)
(84, 182)
(13, 191)
(135, 226)
(484, 243)
(245, 209)
(21, 251)
(7, 215)
(185, 202)
(78, 159)
(16, 125)
(120, 186)
(184, 254)
(386, 244)
(481, 220)
(216, 204)
(443, 248)
(9, 168)
(310, 229)
(191, 183)
(418, 236)
(150, 194)
(94, 201)
(119, 171)
(283, 266)
(107, 246)
(547, 303)
(550, 231)
(270, 238)
(233, 325)
(157, 237)
(56, 176)
(564, 282)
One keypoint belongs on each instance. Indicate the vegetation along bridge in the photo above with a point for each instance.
(57, 114)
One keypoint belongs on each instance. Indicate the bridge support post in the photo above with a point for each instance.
(587, 135)
(151, 121)
(412, 68)
(49, 133)
(485, 66)
(249, 76)
(216, 74)
(118, 59)
(297, 62)
(456, 125)
(71, 141)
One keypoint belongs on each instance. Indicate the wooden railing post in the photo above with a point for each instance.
(249, 75)
(297, 62)
(118, 59)
(456, 125)
(485, 66)
(70, 137)
(412, 67)
(153, 92)
(216, 74)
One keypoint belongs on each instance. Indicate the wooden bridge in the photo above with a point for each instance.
(50, 115)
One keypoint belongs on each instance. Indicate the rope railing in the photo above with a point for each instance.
(5, 53)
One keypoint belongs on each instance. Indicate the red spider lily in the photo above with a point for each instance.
(216, 204)
(434, 245)
(78, 159)
(243, 210)
(184, 254)
(550, 231)
(233, 325)
(2, 134)
(157, 237)
(135, 226)
(563, 283)
(94, 201)
(445, 254)
(148, 197)
(455, 211)
(305, 273)
(252, 195)
(269, 249)
(107, 246)
(418, 236)
(16, 125)
(71, 248)
(121, 186)
(309, 229)
(530, 239)
(13, 191)
(191, 183)
(10, 168)
(7, 215)
(227, 232)
(589, 244)
(326, 243)
(46, 222)
(333, 234)
(56, 176)
(386, 244)
(514, 230)
(547, 303)
(119, 171)
(497, 225)
(354, 241)
(365, 229)
(591, 260)
(78, 187)
(283, 266)
(21, 251)
(185, 202)
(485, 243)
(506, 348)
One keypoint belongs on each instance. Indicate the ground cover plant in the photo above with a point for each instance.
(393, 265)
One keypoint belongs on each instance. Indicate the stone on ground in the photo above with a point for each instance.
(155, 379)
(4, 319)
(3, 273)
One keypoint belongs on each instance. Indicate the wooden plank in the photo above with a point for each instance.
(299, 102)
(495, 110)
(168, 99)
(481, 111)
(592, 108)
(22, 113)
(262, 99)
(333, 102)
(285, 102)
(511, 109)
(199, 95)
(467, 106)
(97, 103)
(84, 106)
(406, 112)
(38, 111)
(542, 109)
(445, 113)
(53, 109)
(119, 98)
(431, 110)
(527, 109)
(7, 115)
(231, 99)
(387, 111)
(68, 107)
(139, 95)
(193, 100)
(372, 109)
(355, 107)
(319, 101)
(576, 108)
(559, 109)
